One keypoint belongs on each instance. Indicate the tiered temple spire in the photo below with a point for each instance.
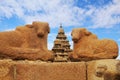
(61, 46)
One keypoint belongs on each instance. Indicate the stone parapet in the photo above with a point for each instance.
(107, 69)
(37, 70)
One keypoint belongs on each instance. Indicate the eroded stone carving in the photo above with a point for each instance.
(113, 75)
(100, 70)
(88, 47)
(26, 42)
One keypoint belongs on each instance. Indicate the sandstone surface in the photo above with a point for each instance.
(26, 42)
(86, 46)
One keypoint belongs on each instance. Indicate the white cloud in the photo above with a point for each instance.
(107, 16)
(61, 11)
(8, 8)
(54, 11)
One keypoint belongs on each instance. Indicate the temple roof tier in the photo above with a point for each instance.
(61, 46)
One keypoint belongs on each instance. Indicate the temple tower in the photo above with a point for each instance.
(61, 47)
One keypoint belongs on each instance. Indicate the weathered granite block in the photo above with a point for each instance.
(6, 70)
(107, 69)
(50, 71)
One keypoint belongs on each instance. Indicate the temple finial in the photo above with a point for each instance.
(60, 25)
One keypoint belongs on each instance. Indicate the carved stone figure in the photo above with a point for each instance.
(100, 70)
(88, 47)
(115, 75)
(26, 42)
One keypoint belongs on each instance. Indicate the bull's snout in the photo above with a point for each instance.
(75, 36)
(74, 39)
(40, 34)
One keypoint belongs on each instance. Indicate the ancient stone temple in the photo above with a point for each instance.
(24, 55)
(61, 47)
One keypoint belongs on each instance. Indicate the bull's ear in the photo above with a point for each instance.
(29, 26)
(87, 33)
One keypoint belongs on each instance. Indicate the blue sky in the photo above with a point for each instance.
(101, 17)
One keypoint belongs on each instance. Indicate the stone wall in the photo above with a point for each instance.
(37, 70)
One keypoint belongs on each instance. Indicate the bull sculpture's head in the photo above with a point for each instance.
(78, 33)
(41, 28)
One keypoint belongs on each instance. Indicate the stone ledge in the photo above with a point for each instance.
(37, 70)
